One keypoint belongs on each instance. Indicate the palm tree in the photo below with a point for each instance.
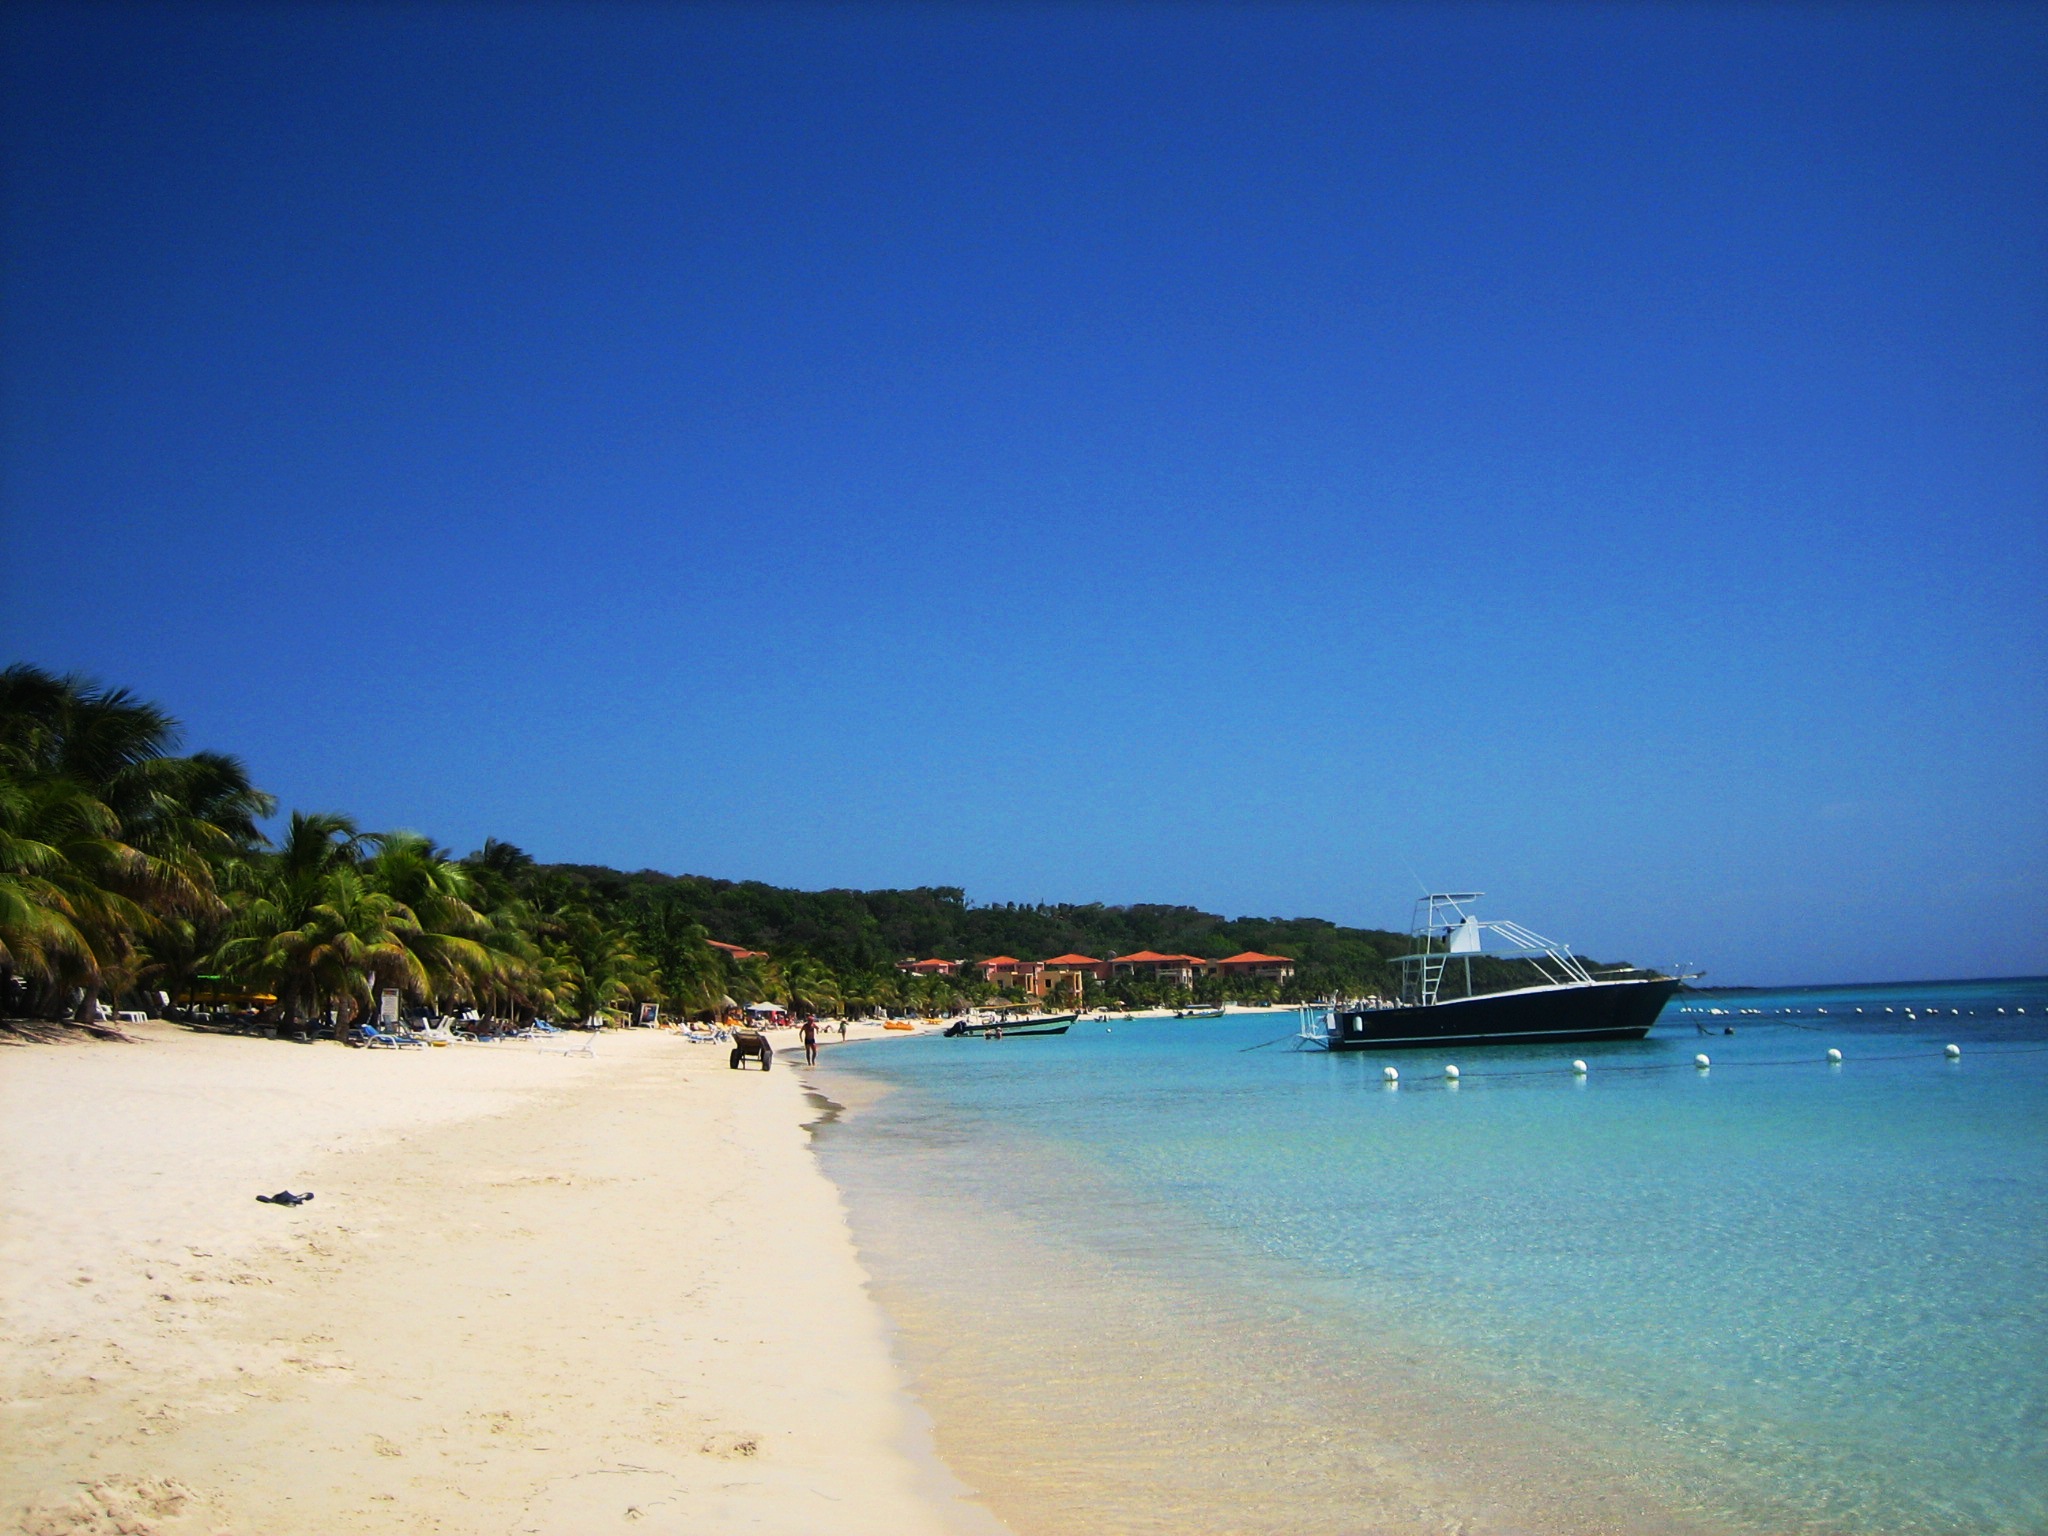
(605, 974)
(104, 831)
(812, 986)
(450, 935)
(554, 984)
(71, 727)
(501, 872)
(276, 896)
(692, 973)
(758, 980)
(41, 826)
(352, 941)
(860, 994)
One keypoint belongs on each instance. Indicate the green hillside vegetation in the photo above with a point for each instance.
(861, 935)
(128, 870)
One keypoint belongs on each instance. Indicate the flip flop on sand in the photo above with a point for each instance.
(286, 1197)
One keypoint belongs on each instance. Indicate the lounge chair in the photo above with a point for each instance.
(372, 1036)
(751, 1045)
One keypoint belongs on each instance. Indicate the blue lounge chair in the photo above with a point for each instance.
(373, 1036)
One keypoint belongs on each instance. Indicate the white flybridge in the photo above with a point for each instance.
(1443, 918)
(1562, 1001)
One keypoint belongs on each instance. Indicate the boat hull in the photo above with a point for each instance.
(1055, 1025)
(1604, 1010)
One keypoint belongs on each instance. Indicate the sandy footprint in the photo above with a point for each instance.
(119, 1506)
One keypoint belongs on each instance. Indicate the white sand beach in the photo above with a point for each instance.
(535, 1293)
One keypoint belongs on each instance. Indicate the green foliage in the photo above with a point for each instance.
(124, 865)
(107, 839)
(861, 935)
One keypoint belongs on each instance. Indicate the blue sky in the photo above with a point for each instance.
(1234, 455)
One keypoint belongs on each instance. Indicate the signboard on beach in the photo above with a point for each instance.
(650, 1015)
(387, 1006)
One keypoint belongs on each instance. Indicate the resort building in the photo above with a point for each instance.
(737, 952)
(929, 967)
(1070, 972)
(1258, 967)
(1181, 970)
(1008, 971)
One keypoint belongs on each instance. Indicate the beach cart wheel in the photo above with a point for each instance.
(733, 1061)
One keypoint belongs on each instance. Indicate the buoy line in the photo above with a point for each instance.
(1451, 1077)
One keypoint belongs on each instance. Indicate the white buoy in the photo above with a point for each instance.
(1952, 1052)
(1701, 1061)
(1952, 1013)
(1390, 1074)
(1579, 1067)
(1835, 1056)
(1451, 1073)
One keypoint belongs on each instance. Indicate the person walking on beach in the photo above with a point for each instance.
(810, 1040)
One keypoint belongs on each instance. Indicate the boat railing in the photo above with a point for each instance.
(1441, 919)
(1316, 1022)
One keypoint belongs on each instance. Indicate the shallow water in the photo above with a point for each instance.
(1174, 1275)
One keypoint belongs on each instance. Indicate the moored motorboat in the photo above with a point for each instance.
(1030, 1024)
(1567, 1004)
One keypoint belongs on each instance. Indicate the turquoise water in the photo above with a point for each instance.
(1774, 1295)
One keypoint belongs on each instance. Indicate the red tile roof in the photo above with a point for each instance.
(1000, 960)
(1253, 957)
(737, 952)
(1073, 960)
(1150, 957)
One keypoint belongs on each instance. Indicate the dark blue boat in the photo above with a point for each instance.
(1564, 1003)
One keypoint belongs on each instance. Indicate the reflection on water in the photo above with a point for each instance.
(1160, 1281)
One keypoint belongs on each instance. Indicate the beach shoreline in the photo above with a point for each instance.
(534, 1292)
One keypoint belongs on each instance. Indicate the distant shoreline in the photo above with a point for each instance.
(1874, 986)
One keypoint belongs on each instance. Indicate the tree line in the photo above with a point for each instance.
(129, 870)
